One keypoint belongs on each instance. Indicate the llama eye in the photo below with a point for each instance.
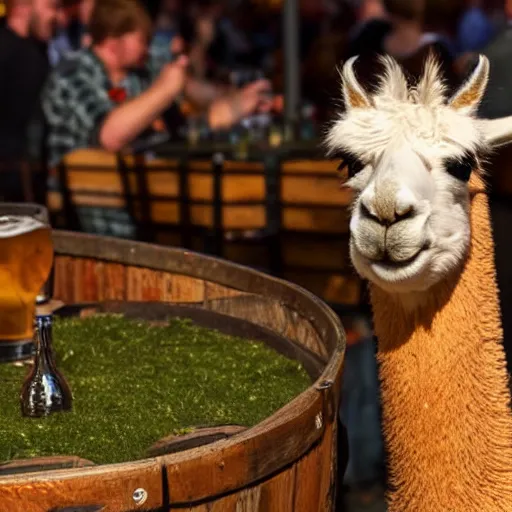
(351, 163)
(461, 167)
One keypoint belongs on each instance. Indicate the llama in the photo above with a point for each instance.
(421, 235)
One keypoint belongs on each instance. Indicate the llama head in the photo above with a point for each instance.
(409, 152)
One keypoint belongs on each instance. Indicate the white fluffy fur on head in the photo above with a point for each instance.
(409, 150)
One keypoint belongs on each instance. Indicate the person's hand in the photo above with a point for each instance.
(173, 76)
(253, 98)
(177, 46)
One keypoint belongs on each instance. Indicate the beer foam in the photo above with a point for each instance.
(16, 225)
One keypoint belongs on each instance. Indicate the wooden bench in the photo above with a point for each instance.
(297, 227)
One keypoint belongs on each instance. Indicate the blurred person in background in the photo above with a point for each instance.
(475, 28)
(409, 31)
(180, 29)
(72, 32)
(88, 100)
(24, 67)
(442, 18)
(370, 26)
(405, 36)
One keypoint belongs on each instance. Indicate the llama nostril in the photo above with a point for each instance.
(365, 211)
(404, 214)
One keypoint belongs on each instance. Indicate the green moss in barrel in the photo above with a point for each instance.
(134, 383)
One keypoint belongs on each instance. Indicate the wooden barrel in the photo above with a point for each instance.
(286, 463)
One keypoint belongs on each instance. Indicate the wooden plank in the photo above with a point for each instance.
(77, 275)
(85, 183)
(310, 166)
(277, 494)
(314, 191)
(99, 271)
(244, 217)
(200, 187)
(234, 188)
(248, 500)
(328, 473)
(319, 220)
(163, 183)
(216, 291)
(181, 289)
(233, 217)
(143, 285)
(110, 487)
(55, 201)
(198, 508)
(114, 281)
(92, 199)
(63, 285)
(308, 482)
(243, 188)
(92, 280)
(201, 215)
(106, 181)
(165, 212)
(90, 158)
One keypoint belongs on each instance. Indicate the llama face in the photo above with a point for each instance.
(409, 154)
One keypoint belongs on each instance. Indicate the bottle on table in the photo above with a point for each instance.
(45, 390)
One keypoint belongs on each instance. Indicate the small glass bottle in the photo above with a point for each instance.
(45, 389)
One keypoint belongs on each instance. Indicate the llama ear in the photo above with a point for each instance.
(497, 132)
(468, 97)
(431, 88)
(393, 83)
(353, 93)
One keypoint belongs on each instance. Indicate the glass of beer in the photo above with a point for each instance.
(40, 213)
(26, 258)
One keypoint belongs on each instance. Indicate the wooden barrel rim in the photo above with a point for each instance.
(233, 463)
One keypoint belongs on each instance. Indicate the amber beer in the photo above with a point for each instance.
(26, 257)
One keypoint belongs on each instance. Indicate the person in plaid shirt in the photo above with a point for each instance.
(91, 99)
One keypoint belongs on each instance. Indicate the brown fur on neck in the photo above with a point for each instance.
(447, 420)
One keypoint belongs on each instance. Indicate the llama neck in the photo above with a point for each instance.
(447, 421)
